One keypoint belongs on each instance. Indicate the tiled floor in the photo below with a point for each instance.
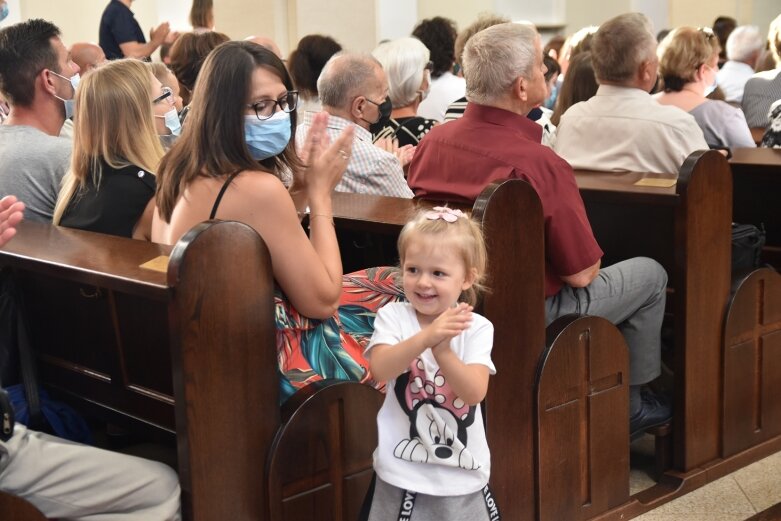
(735, 497)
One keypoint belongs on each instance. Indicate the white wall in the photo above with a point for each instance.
(14, 14)
(396, 18)
(361, 24)
(352, 23)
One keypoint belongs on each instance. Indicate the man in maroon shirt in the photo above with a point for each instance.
(494, 140)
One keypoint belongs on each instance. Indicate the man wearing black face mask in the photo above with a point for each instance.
(354, 91)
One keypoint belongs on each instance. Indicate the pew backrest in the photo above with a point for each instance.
(756, 178)
(687, 228)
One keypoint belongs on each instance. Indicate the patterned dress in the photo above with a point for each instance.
(310, 350)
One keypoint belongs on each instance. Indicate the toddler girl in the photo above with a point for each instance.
(433, 461)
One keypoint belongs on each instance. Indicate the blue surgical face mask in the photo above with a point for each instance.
(69, 103)
(269, 137)
(4, 12)
(172, 122)
(551, 101)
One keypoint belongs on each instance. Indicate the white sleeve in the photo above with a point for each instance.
(387, 329)
(478, 343)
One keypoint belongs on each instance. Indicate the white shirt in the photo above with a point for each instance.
(444, 90)
(625, 129)
(430, 441)
(731, 79)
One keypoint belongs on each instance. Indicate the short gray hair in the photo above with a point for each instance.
(620, 45)
(404, 61)
(345, 76)
(743, 42)
(495, 57)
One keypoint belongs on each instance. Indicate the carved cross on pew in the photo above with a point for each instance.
(583, 415)
(752, 363)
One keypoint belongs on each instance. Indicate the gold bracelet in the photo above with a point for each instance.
(313, 215)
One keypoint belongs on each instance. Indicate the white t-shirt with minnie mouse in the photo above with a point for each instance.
(430, 441)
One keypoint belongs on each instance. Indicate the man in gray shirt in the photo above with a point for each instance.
(38, 79)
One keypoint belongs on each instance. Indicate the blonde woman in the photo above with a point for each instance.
(116, 151)
(688, 63)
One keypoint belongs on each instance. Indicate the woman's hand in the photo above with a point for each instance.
(324, 163)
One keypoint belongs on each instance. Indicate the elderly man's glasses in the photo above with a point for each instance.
(266, 108)
(167, 94)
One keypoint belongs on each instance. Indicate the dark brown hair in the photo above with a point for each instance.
(212, 142)
(26, 50)
(201, 14)
(439, 35)
(307, 61)
(187, 57)
(579, 85)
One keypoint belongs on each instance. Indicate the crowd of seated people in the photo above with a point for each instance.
(230, 131)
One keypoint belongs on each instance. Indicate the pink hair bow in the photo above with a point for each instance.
(443, 212)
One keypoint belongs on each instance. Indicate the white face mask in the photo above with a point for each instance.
(69, 103)
(710, 88)
(172, 121)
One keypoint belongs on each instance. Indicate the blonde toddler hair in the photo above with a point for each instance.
(464, 234)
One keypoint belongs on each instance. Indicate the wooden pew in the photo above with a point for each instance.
(756, 180)
(106, 329)
(17, 509)
(686, 228)
(757, 133)
(533, 407)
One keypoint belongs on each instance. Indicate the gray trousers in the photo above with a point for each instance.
(391, 503)
(630, 294)
(71, 481)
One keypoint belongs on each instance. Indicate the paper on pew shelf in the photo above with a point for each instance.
(157, 264)
(656, 182)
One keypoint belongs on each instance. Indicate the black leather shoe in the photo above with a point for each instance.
(653, 412)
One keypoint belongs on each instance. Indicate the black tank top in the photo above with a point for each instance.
(222, 192)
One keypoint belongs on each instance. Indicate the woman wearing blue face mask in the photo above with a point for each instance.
(227, 162)
(688, 63)
(116, 151)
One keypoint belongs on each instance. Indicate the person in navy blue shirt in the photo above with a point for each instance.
(122, 37)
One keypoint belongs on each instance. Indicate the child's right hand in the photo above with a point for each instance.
(449, 324)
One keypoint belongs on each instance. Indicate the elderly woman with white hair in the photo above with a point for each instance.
(744, 46)
(407, 66)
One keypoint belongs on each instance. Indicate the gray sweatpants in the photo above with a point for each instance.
(391, 503)
(630, 294)
(71, 481)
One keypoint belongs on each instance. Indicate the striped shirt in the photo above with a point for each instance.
(760, 92)
(371, 170)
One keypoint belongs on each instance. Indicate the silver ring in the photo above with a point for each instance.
(343, 154)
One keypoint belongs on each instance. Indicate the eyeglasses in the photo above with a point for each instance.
(167, 94)
(429, 66)
(266, 108)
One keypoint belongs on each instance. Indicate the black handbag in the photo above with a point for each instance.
(747, 243)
